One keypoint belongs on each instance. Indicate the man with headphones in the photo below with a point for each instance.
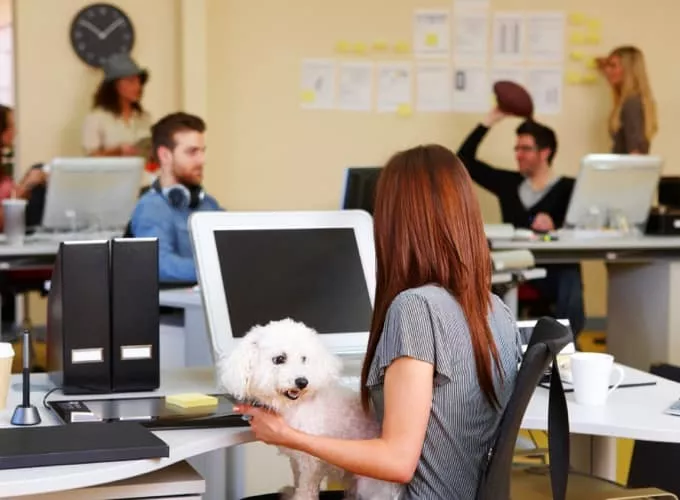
(163, 212)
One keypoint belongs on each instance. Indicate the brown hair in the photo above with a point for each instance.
(164, 130)
(428, 230)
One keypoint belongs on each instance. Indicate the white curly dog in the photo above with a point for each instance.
(285, 366)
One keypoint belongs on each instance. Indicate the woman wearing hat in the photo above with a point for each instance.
(117, 124)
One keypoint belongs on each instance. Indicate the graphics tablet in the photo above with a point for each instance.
(151, 412)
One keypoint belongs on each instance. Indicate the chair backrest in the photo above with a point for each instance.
(128, 228)
(547, 340)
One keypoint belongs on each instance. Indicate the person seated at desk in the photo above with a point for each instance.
(443, 352)
(532, 197)
(163, 212)
(118, 125)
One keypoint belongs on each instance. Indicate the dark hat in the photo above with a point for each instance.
(121, 65)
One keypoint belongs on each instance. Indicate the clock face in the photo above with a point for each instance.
(100, 30)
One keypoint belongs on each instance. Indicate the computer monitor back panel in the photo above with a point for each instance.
(612, 185)
(90, 192)
(313, 267)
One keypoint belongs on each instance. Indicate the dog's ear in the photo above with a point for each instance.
(235, 371)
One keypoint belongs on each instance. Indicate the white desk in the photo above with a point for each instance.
(634, 413)
(643, 290)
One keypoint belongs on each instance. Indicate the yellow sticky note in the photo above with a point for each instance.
(431, 40)
(573, 78)
(402, 47)
(404, 110)
(594, 24)
(359, 48)
(577, 55)
(380, 45)
(591, 63)
(577, 38)
(191, 400)
(576, 18)
(589, 78)
(308, 96)
(592, 38)
(343, 47)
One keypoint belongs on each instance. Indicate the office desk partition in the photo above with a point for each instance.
(643, 291)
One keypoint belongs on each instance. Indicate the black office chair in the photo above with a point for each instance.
(548, 338)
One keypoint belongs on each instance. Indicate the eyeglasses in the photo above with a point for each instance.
(525, 149)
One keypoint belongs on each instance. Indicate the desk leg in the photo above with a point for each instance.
(511, 300)
(643, 318)
(236, 473)
(595, 455)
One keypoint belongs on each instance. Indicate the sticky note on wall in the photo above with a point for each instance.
(404, 110)
(589, 78)
(343, 47)
(359, 48)
(308, 96)
(576, 55)
(402, 47)
(592, 38)
(431, 40)
(573, 78)
(576, 18)
(577, 38)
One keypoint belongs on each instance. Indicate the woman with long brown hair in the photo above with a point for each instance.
(443, 351)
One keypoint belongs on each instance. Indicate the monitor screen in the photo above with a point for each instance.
(314, 276)
(360, 186)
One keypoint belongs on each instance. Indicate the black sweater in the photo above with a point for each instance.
(505, 185)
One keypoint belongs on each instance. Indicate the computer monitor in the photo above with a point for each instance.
(314, 267)
(360, 184)
(614, 184)
(526, 328)
(92, 192)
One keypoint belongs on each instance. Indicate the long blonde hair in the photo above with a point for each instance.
(635, 83)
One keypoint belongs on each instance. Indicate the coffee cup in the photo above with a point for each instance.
(591, 373)
(6, 360)
(14, 214)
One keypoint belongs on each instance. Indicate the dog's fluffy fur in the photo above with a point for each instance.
(284, 366)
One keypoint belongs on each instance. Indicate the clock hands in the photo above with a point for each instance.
(101, 34)
(91, 27)
(111, 27)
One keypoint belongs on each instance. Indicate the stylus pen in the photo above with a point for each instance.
(623, 386)
(26, 372)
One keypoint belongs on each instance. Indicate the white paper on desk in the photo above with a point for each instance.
(355, 87)
(471, 90)
(394, 82)
(508, 37)
(546, 86)
(471, 32)
(433, 86)
(317, 83)
(431, 33)
(545, 36)
(508, 74)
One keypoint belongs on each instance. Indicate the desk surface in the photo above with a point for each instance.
(613, 243)
(181, 297)
(635, 413)
(47, 244)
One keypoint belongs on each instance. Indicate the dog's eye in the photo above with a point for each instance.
(279, 360)
(304, 359)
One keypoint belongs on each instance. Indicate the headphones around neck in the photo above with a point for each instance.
(180, 196)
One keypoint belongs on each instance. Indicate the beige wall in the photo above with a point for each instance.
(239, 60)
(55, 88)
(266, 153)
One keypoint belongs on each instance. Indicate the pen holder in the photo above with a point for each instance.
(26, 413)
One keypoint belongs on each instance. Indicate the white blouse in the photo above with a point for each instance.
(104, 130)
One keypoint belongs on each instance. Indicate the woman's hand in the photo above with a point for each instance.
(267, 426)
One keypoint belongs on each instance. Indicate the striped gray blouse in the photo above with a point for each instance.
(428, 324)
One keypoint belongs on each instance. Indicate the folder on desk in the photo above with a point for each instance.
(82, 443)
(135, 315)
(78, 318)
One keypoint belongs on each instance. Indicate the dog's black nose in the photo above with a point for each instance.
(301, 382)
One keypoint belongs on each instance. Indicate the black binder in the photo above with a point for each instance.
(78, 319)
(80, 443)
(135, 315)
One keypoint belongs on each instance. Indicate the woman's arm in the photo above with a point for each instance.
(395, 454)
(633, 125)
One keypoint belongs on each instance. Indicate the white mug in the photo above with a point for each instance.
(591, 373)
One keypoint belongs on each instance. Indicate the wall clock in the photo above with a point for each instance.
(100, 30)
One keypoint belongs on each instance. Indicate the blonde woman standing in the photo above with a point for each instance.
(632, 122)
